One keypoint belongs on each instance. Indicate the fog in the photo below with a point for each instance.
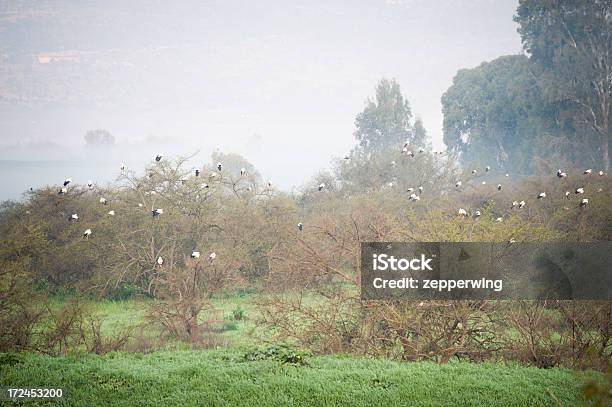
(277, 82)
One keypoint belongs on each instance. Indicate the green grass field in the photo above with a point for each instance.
(226, 376)
(222, 377)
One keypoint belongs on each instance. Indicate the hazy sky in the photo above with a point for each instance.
(279, 82)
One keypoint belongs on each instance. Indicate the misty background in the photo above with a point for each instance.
(277, 82)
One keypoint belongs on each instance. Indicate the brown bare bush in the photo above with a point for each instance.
(553, 333)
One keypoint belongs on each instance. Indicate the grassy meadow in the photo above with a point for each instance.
(243, 368)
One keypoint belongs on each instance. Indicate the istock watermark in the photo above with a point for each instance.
(429, 271)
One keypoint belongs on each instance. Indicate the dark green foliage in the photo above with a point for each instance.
(496, 115)
(571, 43)
(280, 353)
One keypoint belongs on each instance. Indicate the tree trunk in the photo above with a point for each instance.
(606, 157)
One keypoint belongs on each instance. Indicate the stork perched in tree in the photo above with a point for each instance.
(601, 173)
(63, 191)
(219, 166)
(462, 212)
(474, 171)
(111, 213)
(321, 186)
(499, 220)
(195, 255)
(410, 189)
(242, 171)
(522, 204)
(487, 168)
(157, 212)
(458, 184)
(73, 217)
(67, 181)
(159, 157)
(414, 197)
(212, 256)
(160, 261)
(420, 189)
(477, 214)
(410, 154)
(561, 174)
(579, 191)
(421, 150)
(300, 226)
(588, 171)
(103, 201)
(204, 186)
(514, 204)
(584, 203)
(87, 233)
(499, 187)
(542, 195)
(567, 194)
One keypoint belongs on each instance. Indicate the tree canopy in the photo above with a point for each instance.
(386, 121)
(496, 113)
(572, 42)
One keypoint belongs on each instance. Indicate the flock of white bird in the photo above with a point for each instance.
(414, 193)
(155, 212)
(541, 195)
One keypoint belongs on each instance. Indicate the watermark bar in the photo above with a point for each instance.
(470, 271)
(30, 393)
